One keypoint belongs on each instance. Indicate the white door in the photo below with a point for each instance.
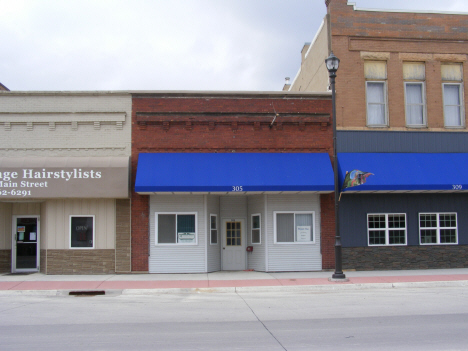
(233, 244)
(25, 244)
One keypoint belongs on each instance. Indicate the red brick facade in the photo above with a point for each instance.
(228, 122)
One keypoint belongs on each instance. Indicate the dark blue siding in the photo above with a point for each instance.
(355, 207)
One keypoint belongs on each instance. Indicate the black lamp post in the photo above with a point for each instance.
(332, 63)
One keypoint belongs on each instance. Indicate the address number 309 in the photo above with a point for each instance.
(457, 187)
(237, 188)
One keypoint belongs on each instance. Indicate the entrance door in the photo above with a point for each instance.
(25, 248)
(234, 258)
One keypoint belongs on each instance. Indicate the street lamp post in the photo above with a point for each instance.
(332, 63)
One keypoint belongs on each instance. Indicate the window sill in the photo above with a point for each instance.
(380, 126)
(454, 127)
(386, 245)
(416, 126)
(436, 244)
(296, 243)
(172, 245)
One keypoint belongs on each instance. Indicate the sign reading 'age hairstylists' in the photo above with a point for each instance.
(64, 182)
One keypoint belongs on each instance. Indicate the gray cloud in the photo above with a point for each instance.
(163, 45)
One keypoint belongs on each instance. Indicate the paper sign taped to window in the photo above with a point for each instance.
(186, 238)
(303, 233)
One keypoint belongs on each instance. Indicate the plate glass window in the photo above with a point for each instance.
(375, 73)
(82, 232)
(438, 228)
(414, 75)
(386, 229)
(294, 227)
(175, 228)
(256, 229)
(452, 87)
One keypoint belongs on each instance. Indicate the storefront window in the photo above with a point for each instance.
(81, 232)
(386, 229)
(438, 228)
(176, 228)
(294, 227)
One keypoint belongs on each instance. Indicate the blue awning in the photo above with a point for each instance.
(233, 172)
(407, 171)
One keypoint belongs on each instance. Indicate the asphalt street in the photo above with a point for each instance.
(368, 319)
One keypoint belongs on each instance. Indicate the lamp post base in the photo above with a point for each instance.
(339, 280)
(338, 276)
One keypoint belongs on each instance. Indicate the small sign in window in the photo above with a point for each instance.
(187, 238)
(303, 233)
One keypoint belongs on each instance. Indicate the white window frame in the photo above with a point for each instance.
(211, 229)
(438, 227)
(424, 104)
(70, 233)
(156, 214)
(387, 229)
(275, 213)
(259, 228)
(385, 124)
(461, 106)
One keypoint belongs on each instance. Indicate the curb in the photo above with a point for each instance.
(247, 289)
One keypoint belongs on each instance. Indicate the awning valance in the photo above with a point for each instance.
(233, 172)
(401, 172)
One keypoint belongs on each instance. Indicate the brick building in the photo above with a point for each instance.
(231, 181)
(401, 102)
(64, 182)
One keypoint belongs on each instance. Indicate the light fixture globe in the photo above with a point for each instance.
(332, 63)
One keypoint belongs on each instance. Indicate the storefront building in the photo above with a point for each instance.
(64, 182)
(402, 102)
(231, 181)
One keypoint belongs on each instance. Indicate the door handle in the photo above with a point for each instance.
(224, 248)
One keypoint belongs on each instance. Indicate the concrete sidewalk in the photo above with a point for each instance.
(226, 281)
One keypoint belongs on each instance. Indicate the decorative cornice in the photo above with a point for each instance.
(52, 118)
(189, 120)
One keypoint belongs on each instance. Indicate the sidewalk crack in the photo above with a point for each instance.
(103, 281)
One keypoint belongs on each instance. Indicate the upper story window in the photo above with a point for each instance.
(452, 88)
(414, 75)
(375, 73)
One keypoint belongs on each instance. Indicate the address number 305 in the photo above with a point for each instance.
(237, 188)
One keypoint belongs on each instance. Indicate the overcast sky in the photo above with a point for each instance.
(164, 44)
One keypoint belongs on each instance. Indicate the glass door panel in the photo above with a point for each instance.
(26, 243)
